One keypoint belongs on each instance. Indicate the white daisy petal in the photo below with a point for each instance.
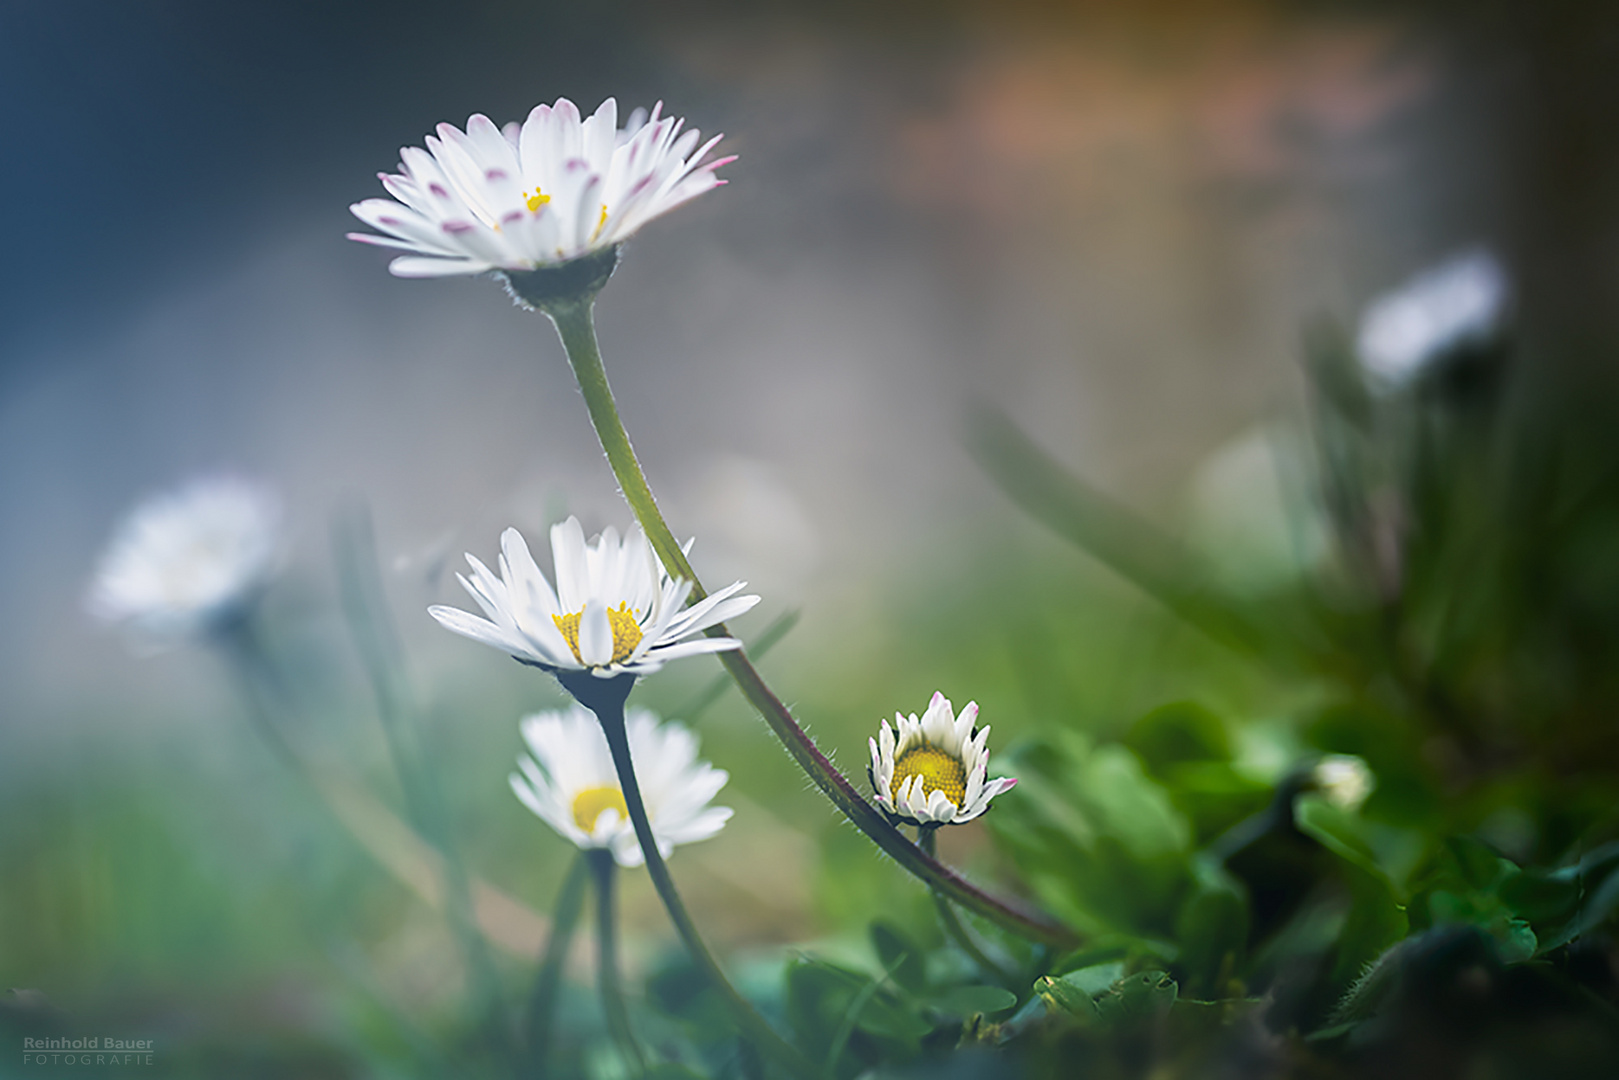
(567, 776)
(525, 574)
(490, 590)
(457, 621)
(591, 185)
(963, 727)
(569, 559)
(627, 851)
(612, 599)
(975, 782)
(698, 647)
(595, 635)
(413, 266)
(381, 241)
(545, 811)
(996, 787)
(701, 826)
(931, 769)
(938, 721)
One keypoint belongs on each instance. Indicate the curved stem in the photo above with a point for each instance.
(927, 835)
(542, 999)
(618, 1017)
(606, 700)
(576, 326)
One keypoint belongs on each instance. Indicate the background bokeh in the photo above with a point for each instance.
(1112, 221)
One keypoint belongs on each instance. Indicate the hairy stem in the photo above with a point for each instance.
(576, 325)
(605, 698)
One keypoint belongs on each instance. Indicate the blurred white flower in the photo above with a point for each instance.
(933, 772)
(1344, 780)
(571, 784)
(615, 610)
(184, 563)
(548, 191)
(1460, 302)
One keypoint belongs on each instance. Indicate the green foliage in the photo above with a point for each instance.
(1236, 915)
(1098, 840)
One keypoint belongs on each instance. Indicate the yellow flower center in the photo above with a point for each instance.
(939, 772)
(600, 222)
(537, 200)
(589, 804)
(626, 631)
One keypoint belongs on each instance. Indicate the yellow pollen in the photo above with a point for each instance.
(589, 804)
(939, 772)
(537, 200)
(626, 632)
(599, 223)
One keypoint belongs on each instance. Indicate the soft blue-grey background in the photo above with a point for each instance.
(1114, 226)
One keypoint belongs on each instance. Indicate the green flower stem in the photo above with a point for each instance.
(927, 836)
(576, 326)
(602, 869)
(543, 998)
(605, 698)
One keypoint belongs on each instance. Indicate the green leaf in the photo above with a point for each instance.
(1475, 863)
(1096, 978)
(967, 1001)
(884, 1015)
(1099, 840)
(1375, 921)
(1178, 734)
(1542, 897)
(1146, 995)
(821, 998)
(1335, 830)
(1033, 1011)
(1376, 917)
(1062, 996)
(1391, 854)
(901, 957)
(669, 1070)
(1598, 874)
(1212, 926)
(1517, 941)
(1214, 796)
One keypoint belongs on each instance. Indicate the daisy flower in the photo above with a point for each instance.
(555, 188)
(187, 562)
(1456, 304)
(567, 778)
(933, 771)
(615, 609)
